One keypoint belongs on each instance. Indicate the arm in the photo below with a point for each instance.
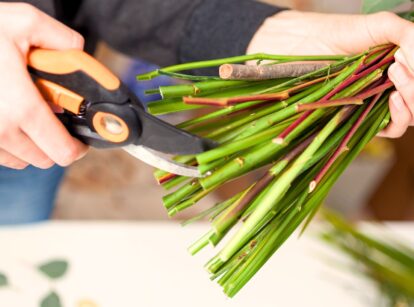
(167, 32)
(186, 30)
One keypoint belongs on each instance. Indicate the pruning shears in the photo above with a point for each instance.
(102, 112)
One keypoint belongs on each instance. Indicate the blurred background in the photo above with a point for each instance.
(112, 185)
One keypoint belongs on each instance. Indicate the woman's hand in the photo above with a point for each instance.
(300, 33)
(30, 133)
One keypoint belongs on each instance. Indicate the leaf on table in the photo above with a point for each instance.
(51, 300)
(54, 269)
(372, 6)
(3, 280)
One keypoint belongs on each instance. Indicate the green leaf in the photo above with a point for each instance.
(54, 269)
(372, 6)
(3, 280)
(51, 300)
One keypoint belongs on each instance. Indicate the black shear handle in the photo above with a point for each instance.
(92, 96)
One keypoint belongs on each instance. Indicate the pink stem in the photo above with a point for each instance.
(166, 178)
(329, 104)
(383, 52)
(357, 100)
(336, 90)
(356, 77)
(298, 149)
(292, 127)
(343, 145)
(376, 90)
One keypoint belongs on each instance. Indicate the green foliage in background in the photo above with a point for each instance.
(54, 269)
(390, 264)
(3, 280)
(372, 6)
(51, 300)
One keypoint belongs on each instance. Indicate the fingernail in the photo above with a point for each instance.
(405, 58)
(397, 101)
(398, 74)
(399, 56)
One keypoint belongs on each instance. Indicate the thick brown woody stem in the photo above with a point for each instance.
(267, 72)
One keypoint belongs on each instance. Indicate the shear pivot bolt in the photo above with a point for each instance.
(111, 125)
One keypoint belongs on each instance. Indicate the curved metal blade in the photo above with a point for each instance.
(163, 137)
(157, 159)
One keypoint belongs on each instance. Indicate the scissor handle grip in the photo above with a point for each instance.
(80, 84)
(65, 62)
(75, 71)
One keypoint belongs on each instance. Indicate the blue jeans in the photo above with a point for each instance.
(28, 195)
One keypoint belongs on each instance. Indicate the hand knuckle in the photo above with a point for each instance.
(80, 38)
(77, 39)
(29, 17)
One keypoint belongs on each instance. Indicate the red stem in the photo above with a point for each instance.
(383, 50)
(299, 87)
(165, 178)
(376, 90)
(343, 145)
(329, 104)
(288, 130)
(301, 147)
(336, 90)
(356, 77)
(225, 102)
(357, 100)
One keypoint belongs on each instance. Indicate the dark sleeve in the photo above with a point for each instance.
(167, 32)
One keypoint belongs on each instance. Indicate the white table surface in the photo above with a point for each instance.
(146, 264)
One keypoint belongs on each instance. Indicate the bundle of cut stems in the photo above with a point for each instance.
(305, 130)
(390, 265)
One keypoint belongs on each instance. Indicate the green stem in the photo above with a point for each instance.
(238, 59)
(235, 146)
(195, 89)
(278, 190)
(184, 192)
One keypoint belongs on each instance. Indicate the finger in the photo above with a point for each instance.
(52, 137)
(403, 81)
(20, 146)
(52, 34)
(400, 117)
(40, 124)
(400, 58)
(10, 161)
(32, 27)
